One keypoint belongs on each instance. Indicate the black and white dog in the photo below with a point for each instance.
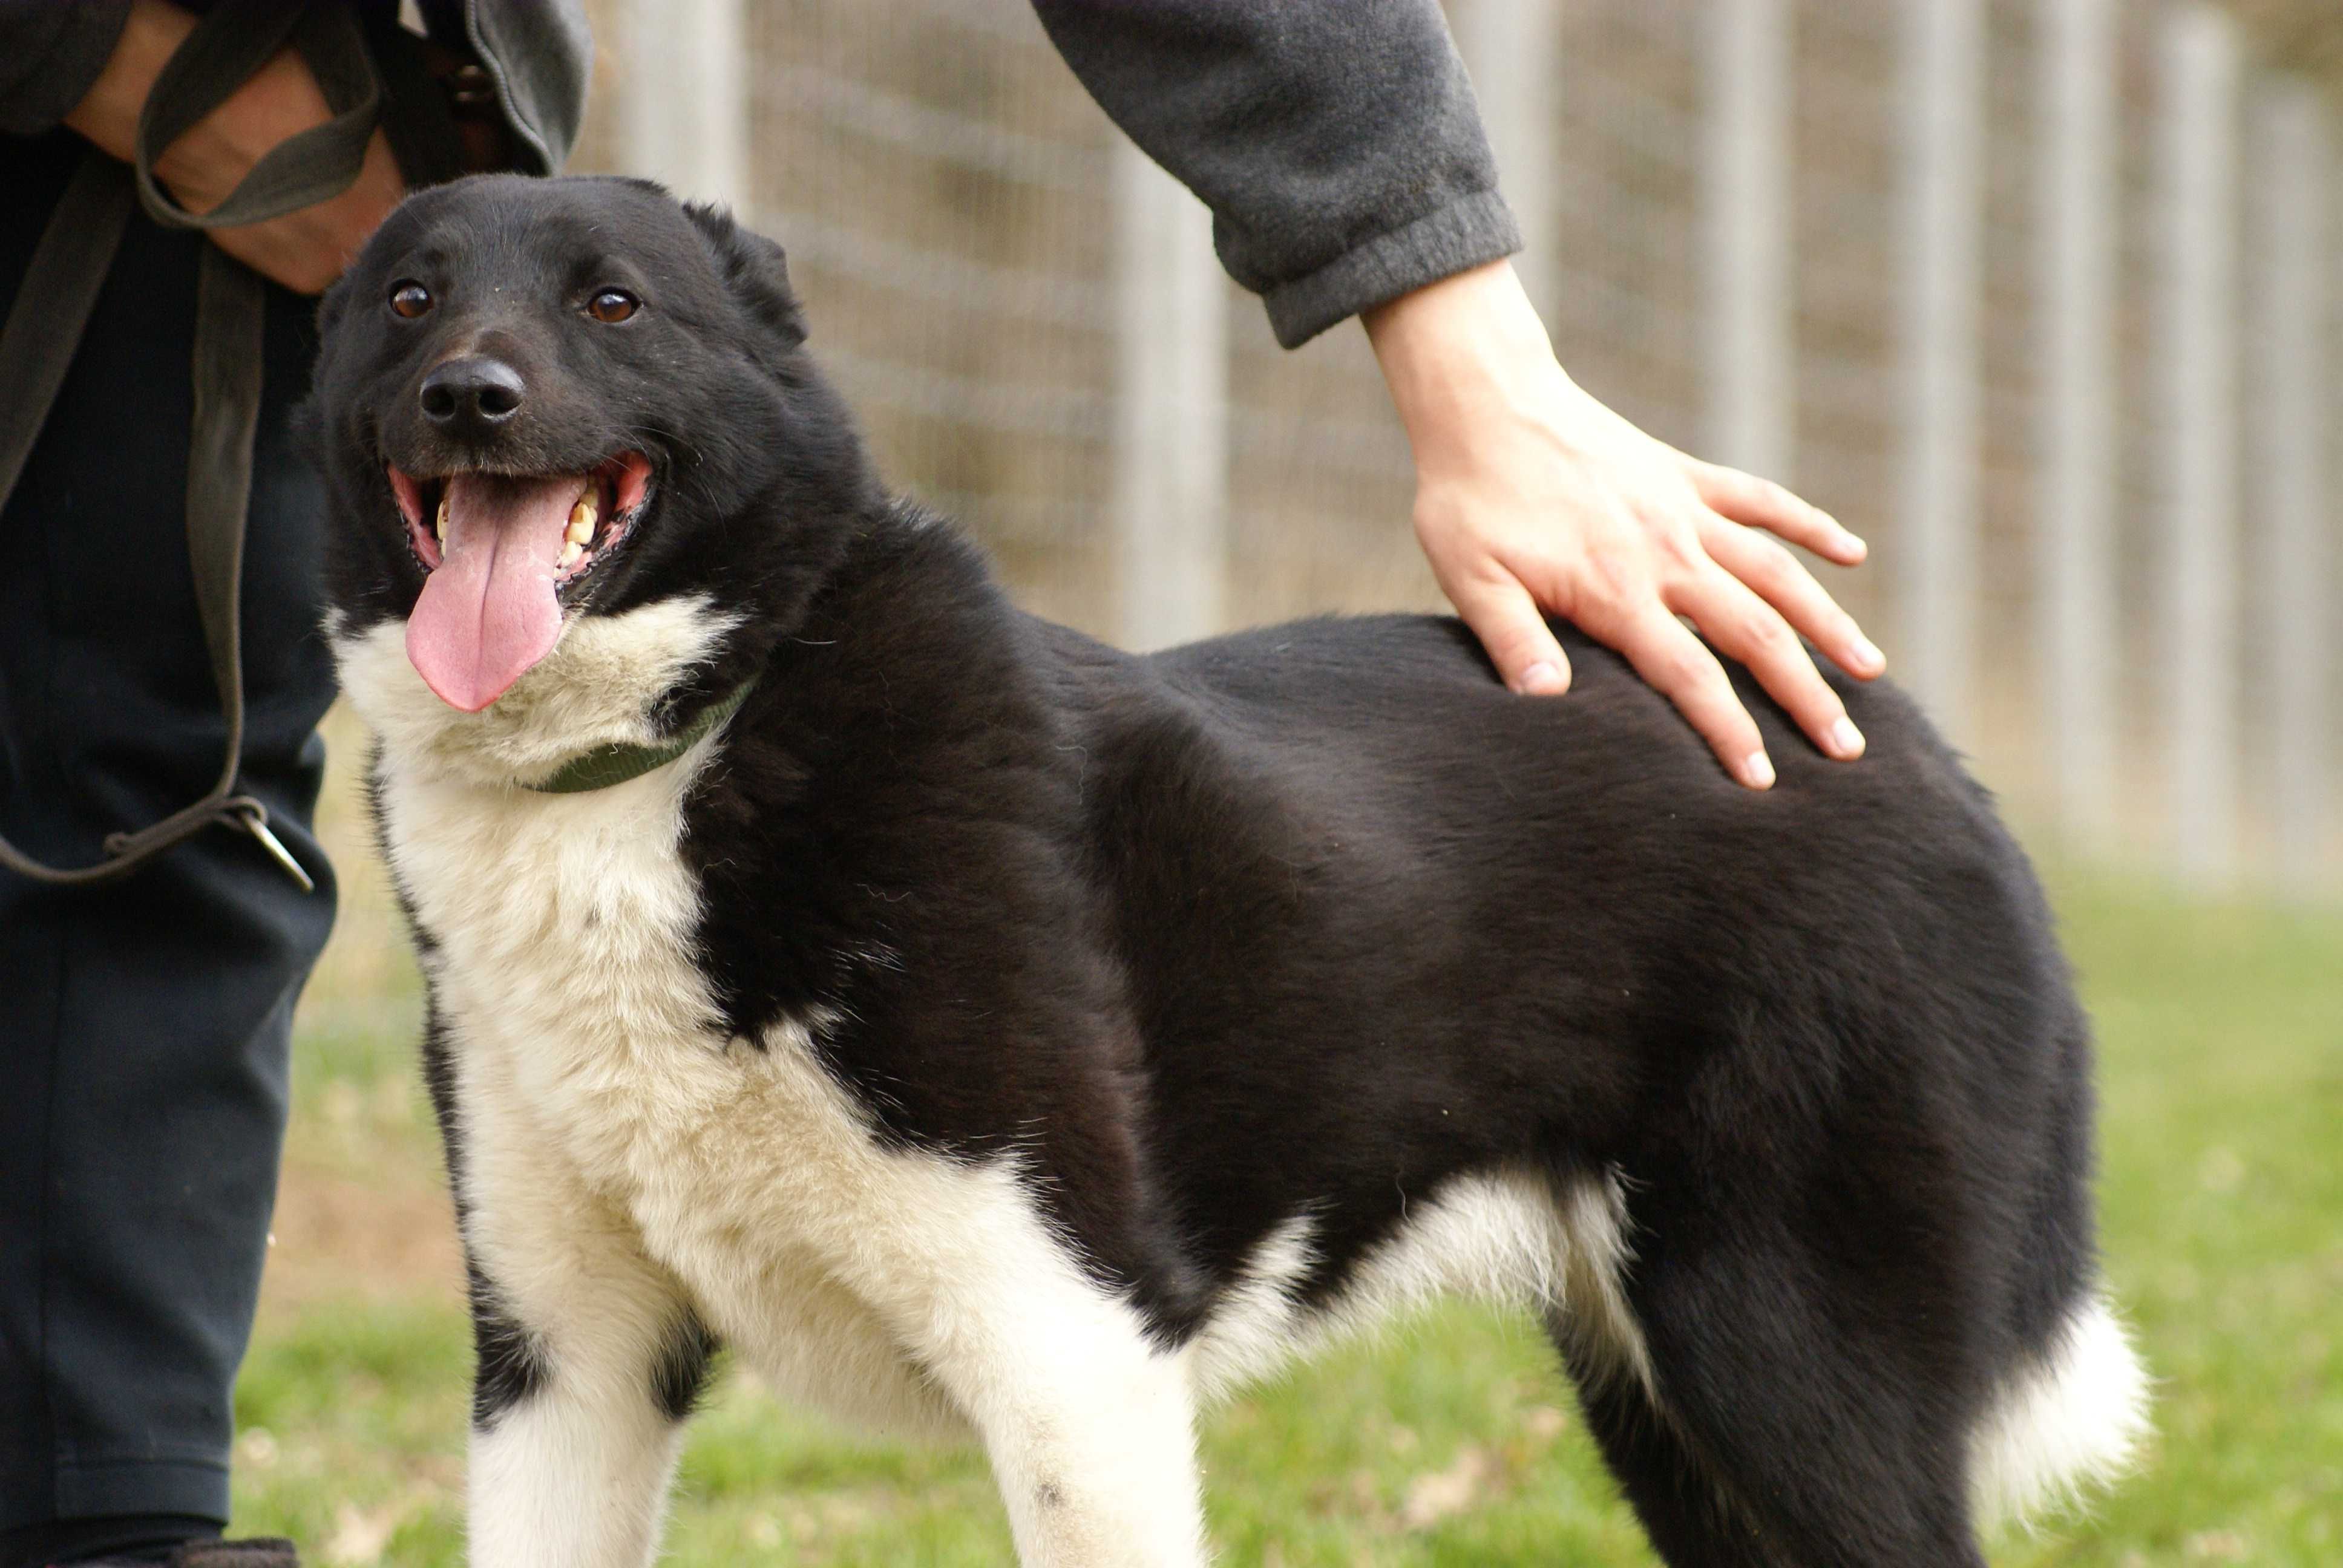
(983, 1030)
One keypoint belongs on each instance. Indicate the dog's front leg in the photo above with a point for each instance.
(1088, 1423)
(1088, 1427)
(589, 1359)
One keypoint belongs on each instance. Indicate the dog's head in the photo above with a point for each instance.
(537, 401)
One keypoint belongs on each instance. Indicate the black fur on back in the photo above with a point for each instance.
(1315, 919)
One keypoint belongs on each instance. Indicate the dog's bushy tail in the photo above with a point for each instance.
(2071, 1419)
(2069, 1411)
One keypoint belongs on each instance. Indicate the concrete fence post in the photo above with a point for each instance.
(1745, 244)
(1936, 585)
(2197, 152)
(2075, 220)
(2291, 300)
(1170, 452)
(1511, 47)
(684, 107)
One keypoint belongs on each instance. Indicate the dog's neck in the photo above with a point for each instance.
(607, 683)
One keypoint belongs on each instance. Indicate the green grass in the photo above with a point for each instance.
(1453, 1441)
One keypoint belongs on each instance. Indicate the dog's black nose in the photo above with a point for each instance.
(472, 395)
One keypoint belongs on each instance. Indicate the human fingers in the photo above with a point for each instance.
(1747, 628)
(1775, 576)
(1507, 620)
(1762, 504)
(1672, 661)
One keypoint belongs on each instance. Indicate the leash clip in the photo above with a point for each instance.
(252, 817)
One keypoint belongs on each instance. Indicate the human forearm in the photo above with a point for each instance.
(304, 250)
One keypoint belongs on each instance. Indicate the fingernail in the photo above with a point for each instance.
(1758, 771)
(1542, 679)
(1845, 740)
(1867, 654)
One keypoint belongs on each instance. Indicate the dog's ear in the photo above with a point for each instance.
(753, 268)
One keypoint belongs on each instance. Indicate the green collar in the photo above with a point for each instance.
(615, 763)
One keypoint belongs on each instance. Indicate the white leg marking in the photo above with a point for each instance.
(1498, 1237)
(1595, 1315)
(1089, 1426)
(574, 1474)
(1259, 1324)
(2074, 1421)
(574, 1477)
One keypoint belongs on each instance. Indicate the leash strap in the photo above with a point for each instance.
(52, 309)
(60, 286)
(232, 42)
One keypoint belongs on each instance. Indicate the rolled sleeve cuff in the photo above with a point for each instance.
(1469, 232)
(56, 52)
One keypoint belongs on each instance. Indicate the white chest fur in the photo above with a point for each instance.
(596, 1088)
(584, 1041)
(563, 923)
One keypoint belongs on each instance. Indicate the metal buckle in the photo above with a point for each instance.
(471, 93)
(252, 817)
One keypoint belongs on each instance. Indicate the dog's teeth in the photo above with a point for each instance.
(581, 522)
(571, 553)
(441, 528)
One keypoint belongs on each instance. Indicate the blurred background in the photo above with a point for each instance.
(2041, 296)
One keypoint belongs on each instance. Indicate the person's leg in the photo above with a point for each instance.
(143, 1024)
(133, 1537)
(153, 1541)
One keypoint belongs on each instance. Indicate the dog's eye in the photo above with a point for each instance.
(612, 306)
(410, 298)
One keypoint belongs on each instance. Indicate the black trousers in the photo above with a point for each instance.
(143, 1024)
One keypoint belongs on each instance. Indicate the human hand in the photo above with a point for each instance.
(1533, 498)
(304, 250)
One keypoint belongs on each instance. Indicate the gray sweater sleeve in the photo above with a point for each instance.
(50, 56)
(1336, 141)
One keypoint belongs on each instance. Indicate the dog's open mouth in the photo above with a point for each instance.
(499, 551)
(602, 507)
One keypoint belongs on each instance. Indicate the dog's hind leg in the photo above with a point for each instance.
(588, 1360)
(1689, 1518)
(1783, 1423)
(1690, 1522)
(1764, 1476)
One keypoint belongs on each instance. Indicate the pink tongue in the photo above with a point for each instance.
(489, 611)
